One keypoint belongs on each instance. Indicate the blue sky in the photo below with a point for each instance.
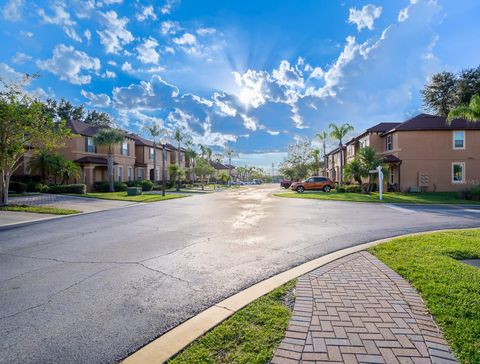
(251, 75)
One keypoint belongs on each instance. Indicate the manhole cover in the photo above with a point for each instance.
(474, 262)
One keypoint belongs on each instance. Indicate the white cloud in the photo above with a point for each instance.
(126, 67)
(365, 17)
(109, 74)
(169, 27)
(249, 122)
(97, 100)
(168, 6)
(112, 63)
(185, 39)
(26, 34)
(13, 9)
(288, 75)
(8, 73)
(146, 13)
(62, 18)
(147, 52)
(403, 13)
(206, 31)
(70, 65)
(20, 58)
(115, 35)
(87, 34)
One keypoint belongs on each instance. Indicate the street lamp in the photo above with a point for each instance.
(163, 142)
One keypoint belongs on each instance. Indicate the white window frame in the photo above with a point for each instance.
(453, 139)
(151, 152)
(387, 138)
(125, 151)
(120, 173)
(90, 143)
(139, 173)
(463, 172)
(129, 173)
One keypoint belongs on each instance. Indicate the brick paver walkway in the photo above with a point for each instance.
(357, 310)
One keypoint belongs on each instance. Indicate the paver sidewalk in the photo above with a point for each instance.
(358, 310)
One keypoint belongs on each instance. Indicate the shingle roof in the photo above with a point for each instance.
(433, 122)
(218, 165)
(88, 129)
(382, 127)
(91, 160)
(391, 159)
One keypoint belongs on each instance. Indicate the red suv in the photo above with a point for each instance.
(315, 183)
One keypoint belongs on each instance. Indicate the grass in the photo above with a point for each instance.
(388, 197)
(122, 196)
(249, 336)
(39, 209)
(450, 289)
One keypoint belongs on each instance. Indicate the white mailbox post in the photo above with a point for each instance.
(380, 180)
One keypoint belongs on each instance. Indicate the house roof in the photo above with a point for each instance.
(145, 142)
(218, 165)
(89, 130)
(433, 122)
(91, 160)
(229, 166)
(382, 127)
(391, 159)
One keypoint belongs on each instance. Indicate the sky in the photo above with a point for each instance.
(248, 75)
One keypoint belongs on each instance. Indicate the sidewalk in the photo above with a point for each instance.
(357, 310)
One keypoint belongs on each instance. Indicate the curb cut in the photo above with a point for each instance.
(175, 340)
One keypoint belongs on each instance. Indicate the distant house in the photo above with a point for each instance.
(144, 166)
(424, 151)
(220, 168)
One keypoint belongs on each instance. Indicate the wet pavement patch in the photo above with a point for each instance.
(474, 262)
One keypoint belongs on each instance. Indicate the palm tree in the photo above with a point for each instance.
(154, 130)
(68, 169)
(338, 133)
(230, 153)
(323, 136)
(470, 112)
(108, 138)
(178, 136)
(44, 163)
(191, 154)
(370, 160)
(355, 170)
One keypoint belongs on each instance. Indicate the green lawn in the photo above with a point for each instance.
(450, 289)
(249, 336)
(39, 209)
(388, 197)
(122, 196)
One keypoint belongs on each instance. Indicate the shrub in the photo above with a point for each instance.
(78, 189)
(353, 188)
(103, 186)
(37, 187)
(144, 183)
(18, 187)
(470, 193)
(341, 189)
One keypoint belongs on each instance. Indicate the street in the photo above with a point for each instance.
(95, 288)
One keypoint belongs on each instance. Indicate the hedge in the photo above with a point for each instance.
(17, 187)
(37, 187)
(144, 183)
(104, 186)
(79, 189)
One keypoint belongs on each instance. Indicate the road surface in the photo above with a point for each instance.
(96, 287)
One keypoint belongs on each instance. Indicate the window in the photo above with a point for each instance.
(151, 153)
(350, 150)
(459, 139)
(139, 173)
(125, 148)
(129, 173)
(91, 145)
(458, 172)
(389, 142)
(120, 173)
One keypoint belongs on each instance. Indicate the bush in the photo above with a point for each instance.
(353, 188)
(37, 187)
(144, 183)
(341, 189)
(78, 189)
(470, 193)
(17, 187)
(103, 186)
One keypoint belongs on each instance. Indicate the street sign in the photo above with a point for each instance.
(380, 179)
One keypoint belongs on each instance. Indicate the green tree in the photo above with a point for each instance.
(339, 133)
(323, 136)
(468, 85)
(25, 123)
(108, 138)
(99, 118)
(316, 163)
(67, 169)
(470, 112)
(355, 170)
(178, 137)
(370, 160)
(44, 163)
(154, 131)
(176, 172)
(203, 169)
(65, 110)
(191, 154)
(223, 177)
(440, 93)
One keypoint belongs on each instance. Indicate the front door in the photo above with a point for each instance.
(152, 178)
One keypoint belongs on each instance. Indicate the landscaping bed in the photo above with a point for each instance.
(450, 288)
(122, 196)
(251, 335)
(39, 209)
(388, 197)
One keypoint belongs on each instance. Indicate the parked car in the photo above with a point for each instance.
(315, 183)
(285, 183)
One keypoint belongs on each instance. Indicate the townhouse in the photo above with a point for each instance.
(422, 153)
(144, 159)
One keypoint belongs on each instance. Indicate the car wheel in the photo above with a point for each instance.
(327, 189)
(300, 189)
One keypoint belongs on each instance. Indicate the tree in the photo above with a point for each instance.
(439, 94)
(468, 85)
(44, 163)
(109, 138)
(230, 153)
(25, 123)
(223, 177)
(99, 118)
(339, 133)
(316, 161)
(178, 136)
(355, 170)
(64, 110)
(203, 168)
(470, 112)
(192, 155)
(67, 169)
(298, 161)
(323, 136)
(370, 160)
(176, 172)
(154, 130)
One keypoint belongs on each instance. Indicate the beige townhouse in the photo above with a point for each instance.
(423, 153)
(144, 164)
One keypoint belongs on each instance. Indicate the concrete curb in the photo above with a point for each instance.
(173, 341)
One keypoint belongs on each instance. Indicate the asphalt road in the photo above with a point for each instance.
(94, 288)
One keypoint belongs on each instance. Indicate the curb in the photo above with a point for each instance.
(173, 341)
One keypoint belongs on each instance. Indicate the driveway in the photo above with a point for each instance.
(96, 287)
